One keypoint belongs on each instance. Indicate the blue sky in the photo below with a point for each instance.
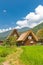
(12, 11)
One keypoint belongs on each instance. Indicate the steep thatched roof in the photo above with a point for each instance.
(13, 32)
(25, 34)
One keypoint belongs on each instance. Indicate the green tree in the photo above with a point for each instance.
(40, 34)
(11, 41)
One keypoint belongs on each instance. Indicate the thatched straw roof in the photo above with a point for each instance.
(13, 32)
(24, 35)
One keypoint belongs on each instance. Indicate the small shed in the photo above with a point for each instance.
(27, 38)
(1, 42)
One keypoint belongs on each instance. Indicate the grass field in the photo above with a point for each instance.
(4, 51)
(32, 55)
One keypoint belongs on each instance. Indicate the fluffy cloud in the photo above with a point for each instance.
(32, 19)
(17, 27)
(22, 23)
(4, 30)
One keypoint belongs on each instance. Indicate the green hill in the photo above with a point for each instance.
(35, 29)
(4, 35)
(38, 27)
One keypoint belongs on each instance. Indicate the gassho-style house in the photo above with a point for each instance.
(27, 38)
(13, 33)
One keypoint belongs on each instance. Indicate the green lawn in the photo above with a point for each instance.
(4, 51)
(32, 55)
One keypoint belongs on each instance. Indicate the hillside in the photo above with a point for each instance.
(23, 29)
(36, 28)
(4, 35)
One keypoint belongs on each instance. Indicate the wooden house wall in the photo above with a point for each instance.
(20, 43)
(27, 42)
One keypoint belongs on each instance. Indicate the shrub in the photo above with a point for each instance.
(3, 54)
(11, 41)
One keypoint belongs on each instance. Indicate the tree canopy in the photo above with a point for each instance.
(40, 34)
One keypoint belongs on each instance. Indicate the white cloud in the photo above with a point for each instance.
(4, 11)
(22, 23)
(32, 19)
(10, 28)
(39, 10)
(17, 27)
(32, 25)
(4, 30)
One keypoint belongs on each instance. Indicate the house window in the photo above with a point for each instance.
(29, 37)
(14, 35)
(31, 41)
(22, 42)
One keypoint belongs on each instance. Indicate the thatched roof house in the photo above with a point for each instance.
(13, 33)
(27, 38)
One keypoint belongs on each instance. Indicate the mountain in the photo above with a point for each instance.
(23, 29)
(4, 35)
(38, 27)
(35, 29)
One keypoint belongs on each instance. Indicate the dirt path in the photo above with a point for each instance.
(13, 59)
